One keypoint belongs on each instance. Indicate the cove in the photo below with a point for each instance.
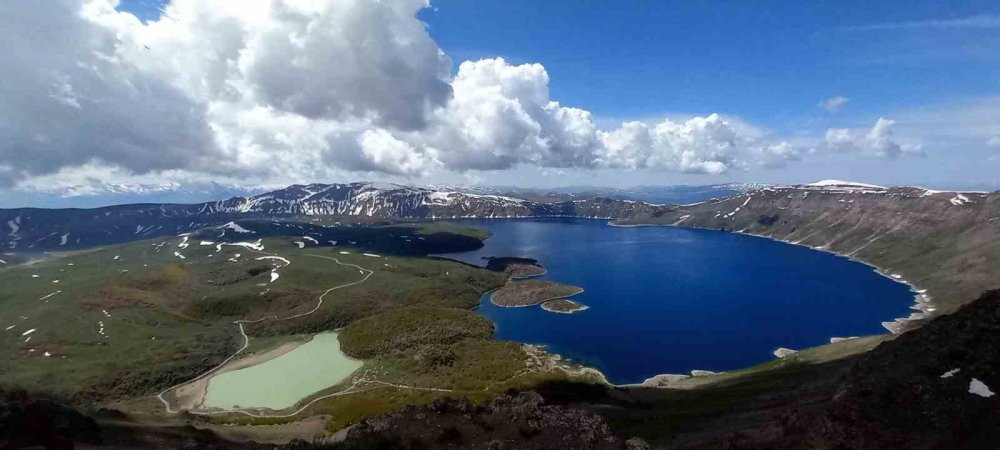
(671, 300)
(281, 382)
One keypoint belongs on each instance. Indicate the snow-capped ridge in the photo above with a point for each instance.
(841, 183)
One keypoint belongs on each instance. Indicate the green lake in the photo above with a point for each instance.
(281, 382)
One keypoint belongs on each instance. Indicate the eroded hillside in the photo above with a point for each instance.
(946, 243)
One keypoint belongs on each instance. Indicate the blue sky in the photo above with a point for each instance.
(884, 92)
(772, 63)
(769, 63)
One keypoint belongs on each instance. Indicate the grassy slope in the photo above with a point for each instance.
(171, 317)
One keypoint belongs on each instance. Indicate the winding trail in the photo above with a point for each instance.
(365, 382)
(246, 343)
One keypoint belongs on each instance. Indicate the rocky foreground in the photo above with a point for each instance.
(515, 421)
(933, 387)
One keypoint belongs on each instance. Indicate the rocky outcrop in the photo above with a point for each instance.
(930, 388)
(519, 421)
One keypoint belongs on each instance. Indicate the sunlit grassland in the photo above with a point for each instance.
(171, 318)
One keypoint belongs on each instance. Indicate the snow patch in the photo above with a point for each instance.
(950, 373)
(840, 183)
(300, 244)
(64, 239)
(256, 246)
(279, 258)
(783, 352)
(235, 227)
(959, 200)
(15, 225)
(979, 388)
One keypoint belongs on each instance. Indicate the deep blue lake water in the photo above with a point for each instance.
(669, 300)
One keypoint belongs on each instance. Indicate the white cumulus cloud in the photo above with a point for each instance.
(833, 104)
(301, 90)
(877, 142)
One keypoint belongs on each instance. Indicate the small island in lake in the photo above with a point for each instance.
(515, 267)
(531, 293)
(563, 306)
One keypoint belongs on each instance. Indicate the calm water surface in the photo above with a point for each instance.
(669, 300)
(281, 382)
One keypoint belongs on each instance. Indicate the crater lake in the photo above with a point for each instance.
(672, 300)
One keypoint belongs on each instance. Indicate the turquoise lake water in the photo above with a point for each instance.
(281, 382)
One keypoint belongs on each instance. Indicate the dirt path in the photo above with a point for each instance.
(200, 382)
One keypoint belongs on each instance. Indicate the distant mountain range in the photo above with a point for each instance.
(99, 194)
(36, 229)
(861, 220)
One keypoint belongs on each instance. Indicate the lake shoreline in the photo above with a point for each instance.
(579, 291)
(639, 378)
(191, 396)
(921, 302)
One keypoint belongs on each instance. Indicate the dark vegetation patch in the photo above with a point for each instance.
(251, 305)
(221, 274)
(404, 284)
(563, 305)
(515, 267)
(161, 368)
(406, 328)
(500, 263)
(532, 292)
(768, 220)
(469, 366)
(154, 287)
(400, 240)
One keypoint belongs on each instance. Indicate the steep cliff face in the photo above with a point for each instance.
(947, 243)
